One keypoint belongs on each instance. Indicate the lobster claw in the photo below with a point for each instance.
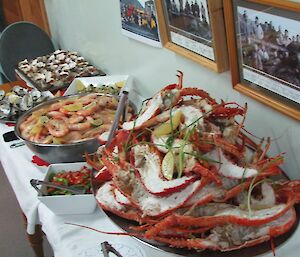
(290, 190)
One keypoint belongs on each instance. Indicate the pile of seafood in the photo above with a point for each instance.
(186, 171)
(56, 70)
(70, 119)
(19, 100)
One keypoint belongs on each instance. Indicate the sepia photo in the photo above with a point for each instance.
(189, 25)
(270, 46)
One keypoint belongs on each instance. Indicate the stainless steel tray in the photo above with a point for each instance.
(49, 87)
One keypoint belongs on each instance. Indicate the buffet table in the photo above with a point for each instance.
(72, 241)
(66, 240)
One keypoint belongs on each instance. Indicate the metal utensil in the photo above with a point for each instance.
(107, 248)
(120, 109)
(15, 145)
(72, 189)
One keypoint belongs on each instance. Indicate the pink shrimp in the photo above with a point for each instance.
(58, 105)
(107, 116)
(57, 127)
(29, 121)
(97, 131)
(56, 114)
(89, 109)
(72, 137)
(75, 119)
(26, 131)
(80, 126)
(108, 102)
(88, 98)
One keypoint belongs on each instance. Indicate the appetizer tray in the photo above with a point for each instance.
(56, 70)
(17, 98)
(110, 84)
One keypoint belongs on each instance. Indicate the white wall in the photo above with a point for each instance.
(92, 27)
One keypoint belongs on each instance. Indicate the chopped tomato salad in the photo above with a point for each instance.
(80, 178)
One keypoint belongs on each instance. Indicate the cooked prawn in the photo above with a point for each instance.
(88, 98)
(97, 131)
(108, 102)
(56, 114)
(75, 119)
(80, 126)
(89, 109)
(58, 105)
(57, 127)
(72, 136)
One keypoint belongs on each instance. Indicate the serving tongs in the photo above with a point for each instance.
(76, 190)
(107, 248)
(121, 111)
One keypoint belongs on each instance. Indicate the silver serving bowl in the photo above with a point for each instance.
(58, 153)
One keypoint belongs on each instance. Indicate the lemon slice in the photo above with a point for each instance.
(58, 93)
(167, 166)
(96, 122)
(73, 107)
(91, 105)
(166, 127)
(56, 141)
(36, 129)
(43, 120)
(79, 86)
(120, 84)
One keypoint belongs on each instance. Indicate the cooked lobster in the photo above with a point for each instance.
(185, 171)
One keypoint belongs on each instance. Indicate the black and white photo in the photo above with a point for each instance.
(189, 25)
(270, 47)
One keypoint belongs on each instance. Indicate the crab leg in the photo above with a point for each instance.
(216, 241)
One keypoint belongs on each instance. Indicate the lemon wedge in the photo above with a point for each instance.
(73, 107)
(166, 127)
(58, 93)
(120, 84)
(96, 122)
(91, 105)
(36, 129)
(167, 166)
(80, 86)
(43, 120)
(56, 141)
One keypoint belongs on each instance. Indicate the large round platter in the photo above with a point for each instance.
(254, 251)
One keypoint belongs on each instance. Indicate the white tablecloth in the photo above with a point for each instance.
(71, 241)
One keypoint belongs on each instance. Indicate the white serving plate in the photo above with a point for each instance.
(99, 81)
(67, 204)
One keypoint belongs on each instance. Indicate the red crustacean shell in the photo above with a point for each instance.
(207, 243)
(222, 190)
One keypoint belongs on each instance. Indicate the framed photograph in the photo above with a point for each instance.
(264, 51)
(139, 21)
(195, 29)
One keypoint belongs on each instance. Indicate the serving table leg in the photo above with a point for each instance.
(36, 240)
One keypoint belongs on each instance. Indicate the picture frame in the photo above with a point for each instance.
(139, 21)
(195, 32)
(265, 61)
